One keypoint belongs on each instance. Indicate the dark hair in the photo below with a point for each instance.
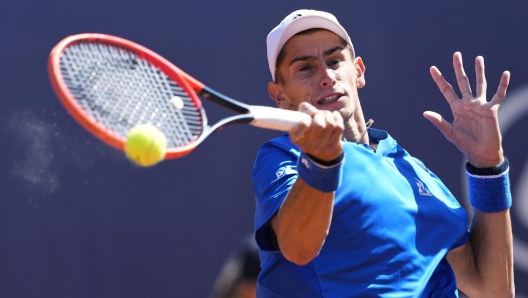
(278, 76)
(243, 265)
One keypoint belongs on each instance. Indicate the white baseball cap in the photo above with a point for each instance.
(296, 22)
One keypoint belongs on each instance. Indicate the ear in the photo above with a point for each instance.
(360, 72)
(276, 93)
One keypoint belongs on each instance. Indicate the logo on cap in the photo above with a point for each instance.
(296, 16)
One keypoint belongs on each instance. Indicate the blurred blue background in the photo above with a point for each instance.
(78, 220)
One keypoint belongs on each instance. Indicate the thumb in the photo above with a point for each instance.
(298, 131)
(307, 108)
(439, 122)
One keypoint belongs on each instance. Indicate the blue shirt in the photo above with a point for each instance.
(393, 223)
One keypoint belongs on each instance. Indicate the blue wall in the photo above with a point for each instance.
(78, 220)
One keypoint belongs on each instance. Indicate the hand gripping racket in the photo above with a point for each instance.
(110, 84)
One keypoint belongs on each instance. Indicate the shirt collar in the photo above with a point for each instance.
(385, 141)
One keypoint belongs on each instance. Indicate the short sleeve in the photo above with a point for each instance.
(274, 173)
(462, 240)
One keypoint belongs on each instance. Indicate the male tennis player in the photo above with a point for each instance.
(344, 211)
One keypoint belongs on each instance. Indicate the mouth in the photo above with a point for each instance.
(328, 99)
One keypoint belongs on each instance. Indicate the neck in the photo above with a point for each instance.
(355, 128)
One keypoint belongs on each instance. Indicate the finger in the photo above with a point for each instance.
(337, 134)
(307, 108)
(328, 144)
(443, 85)
(325, 136)
(462, 79)
(481, 77)
(318, 125)
(298, 132)
(340, 124)
(501, 91)
(328, 135)
(440, 123)
(306, 135)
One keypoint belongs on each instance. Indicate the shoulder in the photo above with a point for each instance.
(275, 158)
(278, 146)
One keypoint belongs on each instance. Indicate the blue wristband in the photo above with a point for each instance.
(325, 178)
(489, 188)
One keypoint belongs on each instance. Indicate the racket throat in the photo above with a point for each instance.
(234, 120)
(224, 101)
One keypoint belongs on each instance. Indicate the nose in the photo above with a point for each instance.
(328, 77)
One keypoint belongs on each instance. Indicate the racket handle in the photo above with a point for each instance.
(275, 118)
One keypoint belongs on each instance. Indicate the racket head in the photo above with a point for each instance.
(110, 84)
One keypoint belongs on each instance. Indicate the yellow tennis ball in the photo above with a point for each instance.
(145, 145)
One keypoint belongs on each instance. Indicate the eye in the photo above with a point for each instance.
(305, 68)
(334, 62)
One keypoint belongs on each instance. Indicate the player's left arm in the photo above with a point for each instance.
(484, 265)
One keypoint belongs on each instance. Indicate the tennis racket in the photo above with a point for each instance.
(110, 84)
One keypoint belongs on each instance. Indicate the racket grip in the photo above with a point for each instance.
(275, 118)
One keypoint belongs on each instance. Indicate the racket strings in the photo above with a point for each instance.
(120, 90)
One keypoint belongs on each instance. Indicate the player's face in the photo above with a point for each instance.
(318, 68)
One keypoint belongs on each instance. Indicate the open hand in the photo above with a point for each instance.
(475, 128)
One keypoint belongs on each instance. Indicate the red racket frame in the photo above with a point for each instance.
(188, 84)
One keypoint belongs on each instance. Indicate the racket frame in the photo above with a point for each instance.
(189, 84)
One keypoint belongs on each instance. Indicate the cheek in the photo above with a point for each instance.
(300, 92)
(348, 72)
(348, 78)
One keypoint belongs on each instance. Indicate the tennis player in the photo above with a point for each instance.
(344, 211)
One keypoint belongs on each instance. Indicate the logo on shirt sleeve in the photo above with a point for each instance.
(285, 171)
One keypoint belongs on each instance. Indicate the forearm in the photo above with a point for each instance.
(491, 234)
(491, 239)
(302, 222)
(484, 266)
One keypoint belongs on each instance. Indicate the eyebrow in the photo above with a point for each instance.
(326, 53)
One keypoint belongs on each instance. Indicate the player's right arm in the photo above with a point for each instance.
(302, 222)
